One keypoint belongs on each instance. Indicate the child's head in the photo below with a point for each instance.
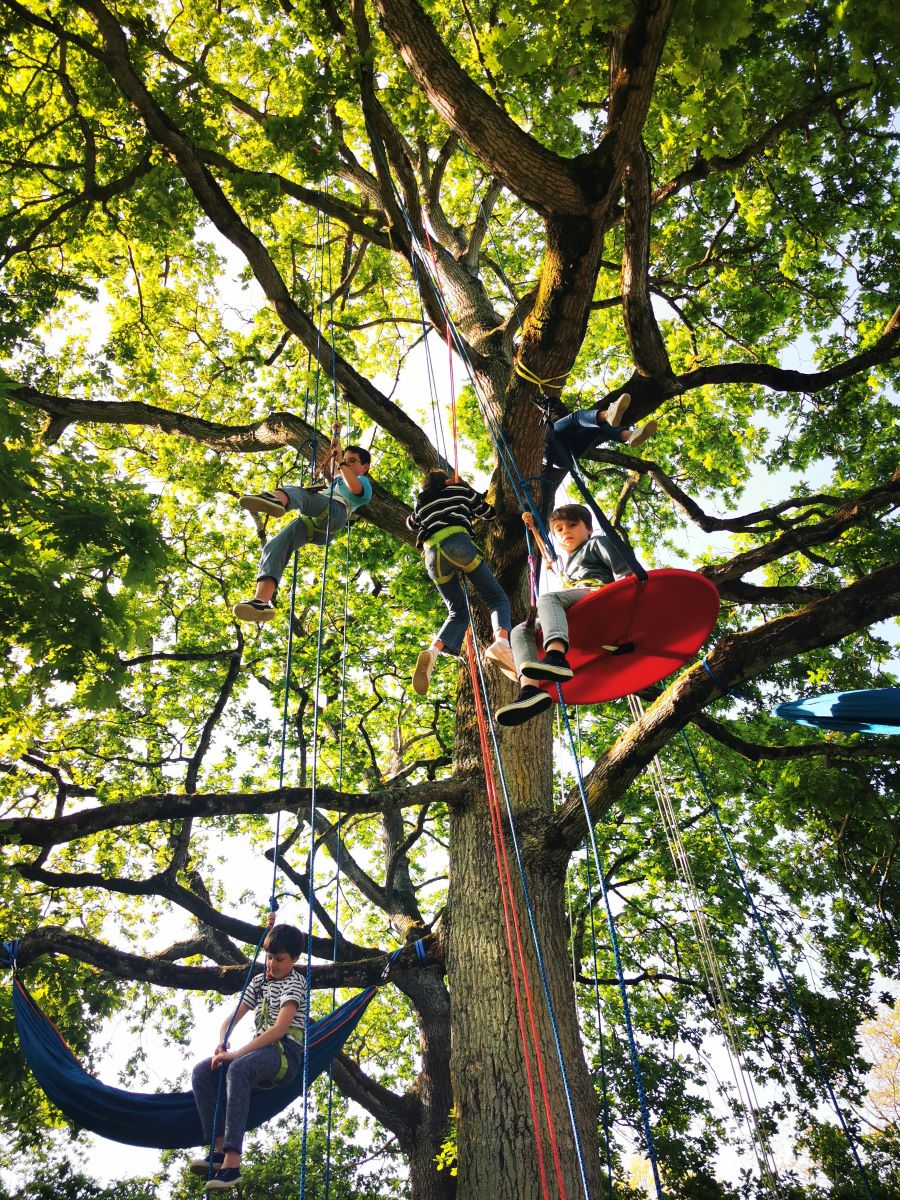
(357, 459)
(283, 946)
(434, 481)
(571, 525)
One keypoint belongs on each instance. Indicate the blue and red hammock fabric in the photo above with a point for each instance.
(163, 1120)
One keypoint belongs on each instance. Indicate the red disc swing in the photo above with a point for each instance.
(656, 626)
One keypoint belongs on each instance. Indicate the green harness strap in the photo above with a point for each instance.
(442, 576)
(296, 1035)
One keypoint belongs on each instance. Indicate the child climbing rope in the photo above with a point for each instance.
(322, 514)
(442, 520)
(592, 561)
(277, 997)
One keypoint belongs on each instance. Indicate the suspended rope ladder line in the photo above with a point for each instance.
(733, 1041)
(776, 963)
(614, 940)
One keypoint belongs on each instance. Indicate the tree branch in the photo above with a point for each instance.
(735, 660)
(37, 831)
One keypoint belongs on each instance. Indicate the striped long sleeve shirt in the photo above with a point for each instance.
(455, 504)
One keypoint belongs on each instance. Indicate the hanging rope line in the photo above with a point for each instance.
(314, 764)
(515, 948)
(709, 962)
(614, 940)
(776, 963)
(480, 690)
(337, 854)
(598, 1009)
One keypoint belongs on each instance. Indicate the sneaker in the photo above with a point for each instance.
(422, 674)
(529, 702)
(258, 611)
(263, 502)
(617, 411)
(501, 653)
(200, 1166)
(642, 434)
(224, 1178)
(552, 666)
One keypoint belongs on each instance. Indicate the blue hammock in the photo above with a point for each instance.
(874, 711)
(164, 1120)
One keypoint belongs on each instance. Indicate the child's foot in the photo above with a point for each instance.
(642, 434)
(529, 702)
(617, 411)
(552, 666)
(200, 1166)
(501, 653)
(422, 674)
(224, 1178)
(258, 611)
(263, 502)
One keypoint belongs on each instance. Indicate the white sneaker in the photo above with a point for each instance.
(422, 674)
(616, 412)
(501, 654)
(641, 435)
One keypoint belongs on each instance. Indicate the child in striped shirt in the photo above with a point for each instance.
(277, 997)
(442, 520)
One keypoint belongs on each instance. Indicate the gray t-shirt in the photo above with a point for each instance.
(597, 561)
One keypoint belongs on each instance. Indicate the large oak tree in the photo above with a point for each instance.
(212, 211)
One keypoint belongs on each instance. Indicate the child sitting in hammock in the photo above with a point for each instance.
(277, 997)
(442, 519)
(323, 513)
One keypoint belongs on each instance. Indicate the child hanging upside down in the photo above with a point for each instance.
(442, 519)
(592, 561)
(586, 429)
(322, 515)
(273, 1056)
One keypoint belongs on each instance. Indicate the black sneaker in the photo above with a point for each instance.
(258, 611)
(263, 502)
(552, 666)
(529, 702)
(200, 1166)
(224, 1178)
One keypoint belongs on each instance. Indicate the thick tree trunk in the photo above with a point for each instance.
(496, 1136)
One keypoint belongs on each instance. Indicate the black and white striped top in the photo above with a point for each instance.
(266, 996)
(455, 504)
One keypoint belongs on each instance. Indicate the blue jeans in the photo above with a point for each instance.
(582, 431)
(241, 1075)
(314, 507)
(455, 554)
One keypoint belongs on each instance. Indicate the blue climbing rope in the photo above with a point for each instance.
(620, 973)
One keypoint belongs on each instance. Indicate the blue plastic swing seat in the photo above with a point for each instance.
(164, 1120)
(876, 710)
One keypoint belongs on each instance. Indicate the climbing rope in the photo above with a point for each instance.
(614, 940)
(709, 962)
(776, 963)
(480, 691)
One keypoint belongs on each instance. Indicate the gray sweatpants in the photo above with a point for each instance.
(551, 620)
(241, 1075)
(278, 549)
